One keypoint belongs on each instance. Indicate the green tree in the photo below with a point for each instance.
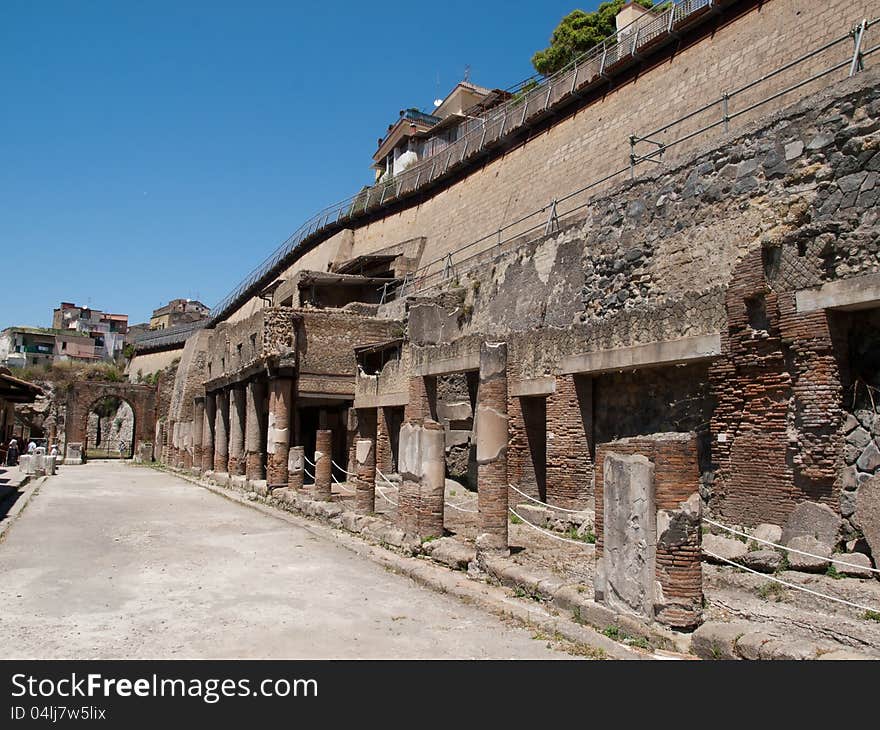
(577, 33)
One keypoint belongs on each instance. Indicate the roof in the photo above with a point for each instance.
(310, 278)
(17, 391)
(378, 347)
(352, 265)
(47, 331)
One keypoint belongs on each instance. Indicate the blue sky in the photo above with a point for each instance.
(156, 150)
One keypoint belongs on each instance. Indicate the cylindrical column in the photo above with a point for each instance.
(383, 439)
(491, 432)
(352, 427)
(433, 482)
(221, 432)
(278, 437)
(187, 446)
(422, 398)
(253, 455)
(198, 430)
(365, 484)
(236, 430)
(295, 464)
(208, 432)
(323, 455)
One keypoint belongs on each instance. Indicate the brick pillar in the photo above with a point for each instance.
(221, 433)
(278, 438)
(422, 401)
(491, 433)
(198, 431)
(208, 432)
(236, 430)
(295, 464)
(365, 482)
(423, 470)
(323, 455)
(383, 440)
(188, 446)
(569, 428)
(253, 455)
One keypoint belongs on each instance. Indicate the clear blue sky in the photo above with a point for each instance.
(156, 150)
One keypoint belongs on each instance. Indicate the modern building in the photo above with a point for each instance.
(177, 312)
(12, 391)
(107, 330)
(26, 346)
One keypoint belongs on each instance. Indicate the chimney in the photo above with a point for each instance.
(629, 13)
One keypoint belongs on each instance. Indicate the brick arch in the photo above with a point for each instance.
(81, 398)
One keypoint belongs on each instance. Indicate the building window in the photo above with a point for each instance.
(756, 309)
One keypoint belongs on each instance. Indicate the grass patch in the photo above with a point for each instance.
(872, 616)
(514, 520)
(618, 634)
(832, 572)
(771, 591)
(588, 536)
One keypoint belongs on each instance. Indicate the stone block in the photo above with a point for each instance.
(764, 561)
(723, 547)
(450, 552)
(858, 565)
(768, 532)
(870, 458)
(818, 560)
(814, 520)
(716, 640)
(534, 513)
(867, 514)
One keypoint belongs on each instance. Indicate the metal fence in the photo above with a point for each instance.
(166, 337)
(481, 133)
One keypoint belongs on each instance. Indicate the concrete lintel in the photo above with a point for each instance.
(381, 400)
(543, 385)
(448, 365)
(858, 292)
(666, 352)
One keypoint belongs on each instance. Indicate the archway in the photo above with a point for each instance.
(110, 429)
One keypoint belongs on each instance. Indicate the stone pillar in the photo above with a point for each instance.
(253, 455)
(236, 430)
(365, 483)
(491, 433)
(278, 437)
(383, 440)
(296, 462)
(423, 469)
(187, 446)
(323, 467)
(198, 431)
(221, 433)
(208, 432)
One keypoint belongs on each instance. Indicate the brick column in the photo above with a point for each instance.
(491, 433)
(365, 483)
(278, 438)
(198, 431)
(208, 432)
(383, 440)
(295, 464)
(569, 428)
(236, 430)
(422, 401)
(323, 455)
(221, 433)
(253, 455)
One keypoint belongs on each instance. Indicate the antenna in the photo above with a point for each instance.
(467, 72)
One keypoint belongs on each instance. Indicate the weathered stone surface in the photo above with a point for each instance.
(816, 562)
(867, 514)
(716, 640)
(859, 438)
(785, 650)
(847, 503)
(815, 520)
(723, 547)
(765, 561)
(750, 644)
(768, 532)
(870, 458)
(534, 513)
(628, 561)
(854, 565)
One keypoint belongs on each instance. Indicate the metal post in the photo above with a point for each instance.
(857, 62)
(632, 156)
(724, 102)
(447, 266)
(602, 64)
(503, 123)
(671, 18)
(552, 220)
(574, 78)
(635, 43)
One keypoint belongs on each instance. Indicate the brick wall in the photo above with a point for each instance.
(569, 422)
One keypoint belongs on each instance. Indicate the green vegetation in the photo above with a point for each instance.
(832, 572)
(64, 373)
(577, 33)
(771, 591)
(588, 536)
(872, 616)
(515, 520)
(618, 634)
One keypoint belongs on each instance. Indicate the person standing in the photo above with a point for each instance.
(12, 453)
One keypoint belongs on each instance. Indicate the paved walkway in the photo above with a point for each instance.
(116, 561)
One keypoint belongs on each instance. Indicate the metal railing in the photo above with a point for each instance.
(546, 219)
(481, 133)
(170, 336)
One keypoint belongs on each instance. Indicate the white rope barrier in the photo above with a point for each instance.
(544, 504)
(308, 461)
(783, 547)
(308, 474)
(347, 473)
(792, 585)
(546, 532)
(461, 509)
(385, 479)
(385, 496)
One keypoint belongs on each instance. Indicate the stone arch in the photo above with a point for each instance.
(82, 397)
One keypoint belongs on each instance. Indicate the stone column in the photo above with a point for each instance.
(422, 398)
(208, 432)
(253, 455)
(423, 470)
(352, 428)
(278, 438)
(198, 431)
(365, 484)
(491, 432)
(187, 446)
(383, 440)
(221, 433)
(323, 467)
(236, 430)
(295, 464)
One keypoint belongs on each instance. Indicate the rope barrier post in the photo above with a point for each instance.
(295, 467)
(858, 63)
